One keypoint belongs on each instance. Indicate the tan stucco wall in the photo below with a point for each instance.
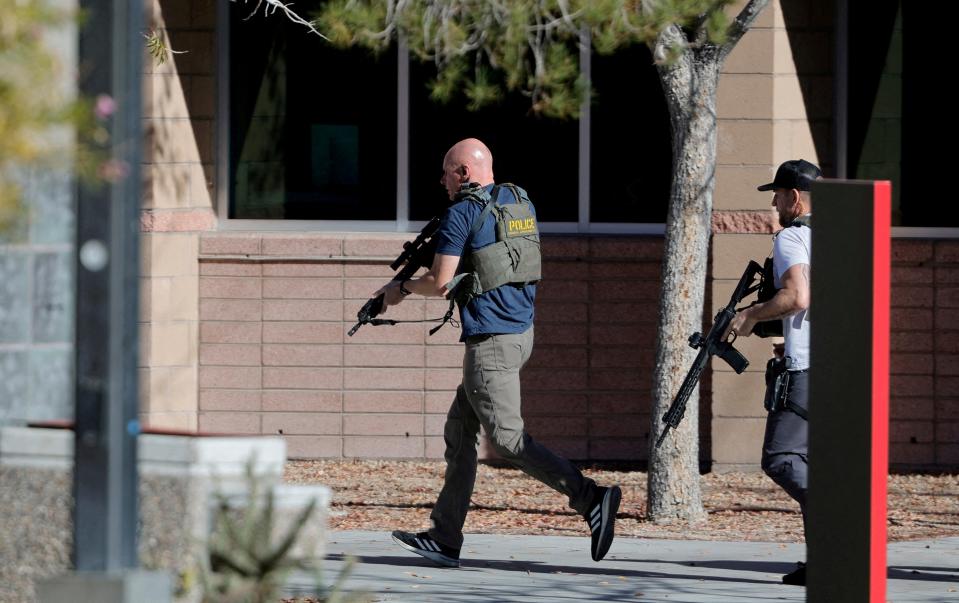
(764, 119)
(179, 102)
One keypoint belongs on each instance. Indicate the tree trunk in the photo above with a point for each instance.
(690, 87)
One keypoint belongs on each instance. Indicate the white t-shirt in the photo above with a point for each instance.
(792, 246)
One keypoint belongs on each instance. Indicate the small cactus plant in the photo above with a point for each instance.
(247, 561)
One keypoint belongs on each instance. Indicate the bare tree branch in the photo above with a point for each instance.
(741, 25)
(276, 5)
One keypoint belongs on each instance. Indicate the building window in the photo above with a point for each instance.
(309, 140)
(630, 144)
(352, 141)
(896, 106)
(535, 153)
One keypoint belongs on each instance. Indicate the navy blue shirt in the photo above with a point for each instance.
(506, 309)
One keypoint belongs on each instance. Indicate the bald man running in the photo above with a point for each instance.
(498, 333)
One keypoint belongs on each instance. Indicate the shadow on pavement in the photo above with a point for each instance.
(541, 568)
(766, 567)
(928, 574)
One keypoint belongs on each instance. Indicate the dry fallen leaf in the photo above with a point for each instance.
(389, 495)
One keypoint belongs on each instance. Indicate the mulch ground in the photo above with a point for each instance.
(390, 495)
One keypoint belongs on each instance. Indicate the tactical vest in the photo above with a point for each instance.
(767, 289)
(514, 259)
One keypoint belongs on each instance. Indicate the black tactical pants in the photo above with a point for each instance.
(786, 445)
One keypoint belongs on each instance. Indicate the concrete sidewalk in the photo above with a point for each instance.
(534, 569)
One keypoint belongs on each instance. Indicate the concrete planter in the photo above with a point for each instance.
(178, 476)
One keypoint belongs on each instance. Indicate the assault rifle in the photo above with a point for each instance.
(416, 253)
(712, 344)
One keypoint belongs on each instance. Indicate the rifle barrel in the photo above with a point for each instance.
(707, 347)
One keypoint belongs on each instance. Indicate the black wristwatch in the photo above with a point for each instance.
(403, 289)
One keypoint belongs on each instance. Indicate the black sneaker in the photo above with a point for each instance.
(796, 577)
(601, 518)
(422, 544)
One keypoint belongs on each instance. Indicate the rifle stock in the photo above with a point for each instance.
(710, 345)
(416, 253)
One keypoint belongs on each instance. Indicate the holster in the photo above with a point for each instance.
(777, 384)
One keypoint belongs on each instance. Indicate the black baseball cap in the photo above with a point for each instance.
(796, 173)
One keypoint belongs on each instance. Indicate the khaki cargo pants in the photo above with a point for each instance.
(490, 396)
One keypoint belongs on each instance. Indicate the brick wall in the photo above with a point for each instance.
(275, 358)
(924, 385)
(924, 367)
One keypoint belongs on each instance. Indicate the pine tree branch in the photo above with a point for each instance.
(565, 21)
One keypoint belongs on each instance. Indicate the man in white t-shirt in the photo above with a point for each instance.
(786, 444)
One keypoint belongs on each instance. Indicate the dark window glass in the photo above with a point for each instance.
(630, 148)
(538, 154)
(900, 109)
(312, 128)
(927, 120)
(875, 103)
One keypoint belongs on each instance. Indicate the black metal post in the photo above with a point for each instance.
(849, 393)
(105, 472)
